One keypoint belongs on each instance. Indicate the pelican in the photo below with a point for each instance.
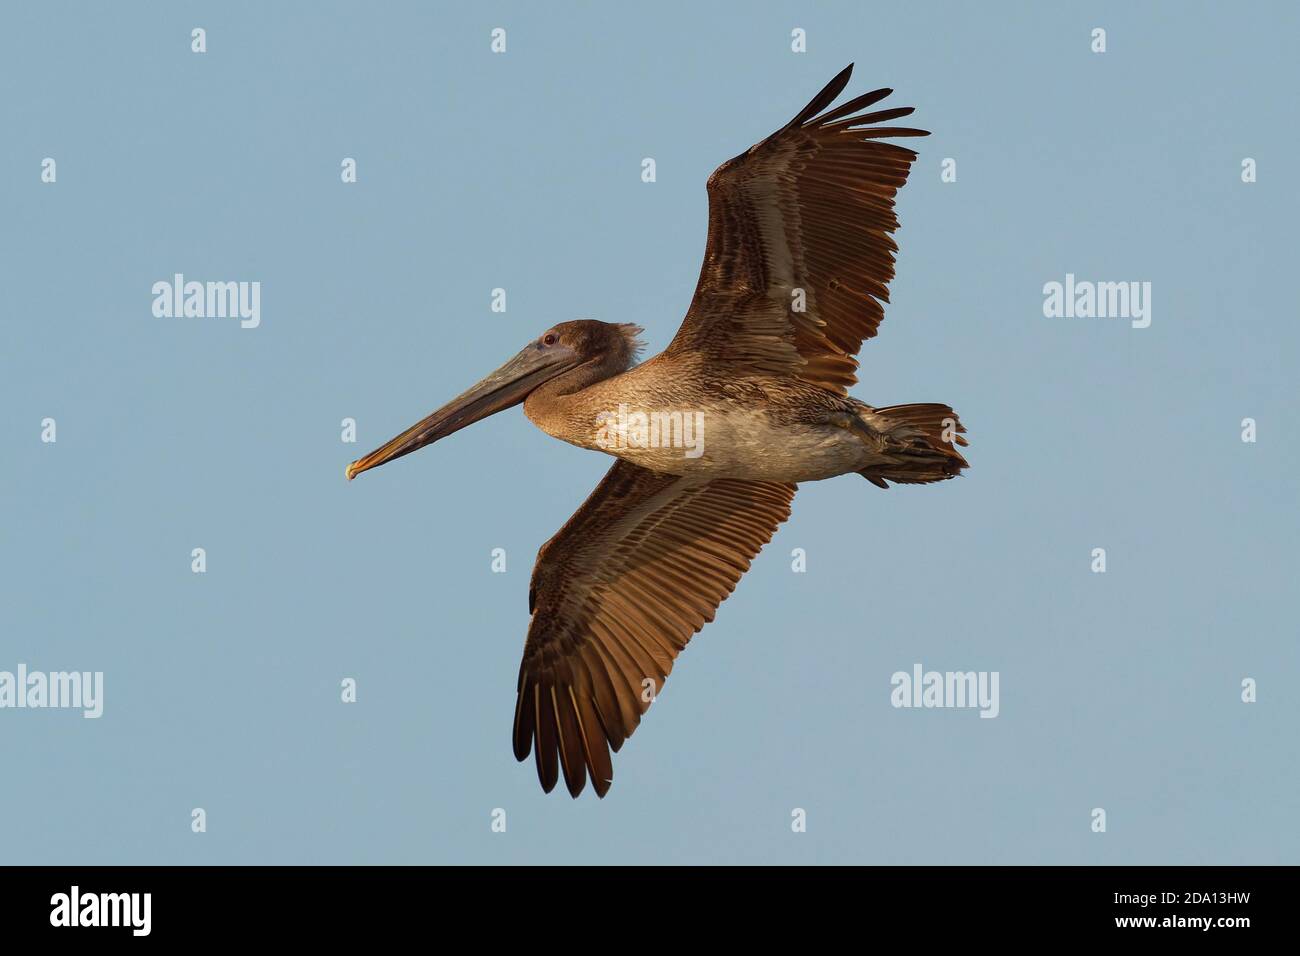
(796, 267)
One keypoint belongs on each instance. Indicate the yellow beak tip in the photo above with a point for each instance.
(351, 471)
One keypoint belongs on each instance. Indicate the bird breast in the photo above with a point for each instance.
(717, 439)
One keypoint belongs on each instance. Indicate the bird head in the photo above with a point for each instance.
(608, 348)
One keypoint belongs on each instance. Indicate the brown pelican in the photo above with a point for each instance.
(712, 435)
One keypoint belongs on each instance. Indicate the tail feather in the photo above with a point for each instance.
(920, 444)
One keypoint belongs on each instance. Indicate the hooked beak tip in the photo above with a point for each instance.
(351, 470)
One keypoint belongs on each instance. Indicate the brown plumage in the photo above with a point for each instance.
(809, 208)
(615, 596)
(796, 269)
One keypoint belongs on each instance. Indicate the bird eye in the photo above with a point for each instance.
(550, 339)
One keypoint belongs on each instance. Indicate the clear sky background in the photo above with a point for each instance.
(222, 690)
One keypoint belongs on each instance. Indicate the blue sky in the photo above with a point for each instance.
(521, 171)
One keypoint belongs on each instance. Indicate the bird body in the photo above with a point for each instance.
(711, 436)
(752, 427)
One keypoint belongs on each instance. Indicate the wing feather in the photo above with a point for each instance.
(799, 252)
(616, 596)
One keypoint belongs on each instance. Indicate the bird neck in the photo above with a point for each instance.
(558, 407)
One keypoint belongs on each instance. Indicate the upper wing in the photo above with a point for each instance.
(809, 208)
(615, 595)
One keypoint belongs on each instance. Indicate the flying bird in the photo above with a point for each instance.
(713, 434)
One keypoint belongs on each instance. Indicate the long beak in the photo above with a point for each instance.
(506, 387)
